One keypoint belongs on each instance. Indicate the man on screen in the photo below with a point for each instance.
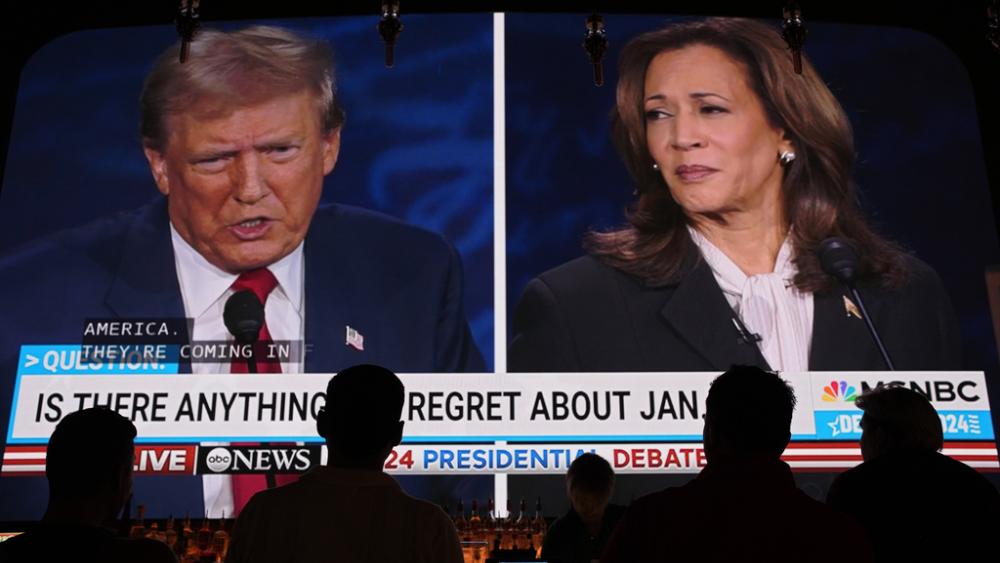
(239, 138)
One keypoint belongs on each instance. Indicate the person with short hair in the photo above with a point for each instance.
(580, 535)
(88, 464)
(744, 505)
(349, 509)
(915, 503)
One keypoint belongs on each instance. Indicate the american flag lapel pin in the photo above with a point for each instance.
(850, 308)
(355, 339)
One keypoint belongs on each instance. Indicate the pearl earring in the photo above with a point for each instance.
(786, 157)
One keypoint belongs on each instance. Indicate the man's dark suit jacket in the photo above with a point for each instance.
(398, 285)
(736, 510)
(586, 316)
(921, 506)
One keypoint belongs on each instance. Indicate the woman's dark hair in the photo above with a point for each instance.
(820, 198)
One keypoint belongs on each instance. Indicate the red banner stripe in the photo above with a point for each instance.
(854, 445)
(30, 461)
(823, 457)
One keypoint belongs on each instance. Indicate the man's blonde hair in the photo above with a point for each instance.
(227, 70)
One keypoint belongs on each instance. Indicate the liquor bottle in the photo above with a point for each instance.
(203, 539)
(170, 534)
(538, 528)
(462, 527)
(138, 529)
(507, 527)
(476, 532)
(220, 539)
(153, 532)
(475, 522)
(197, 540)
(491, 528)
(461, 524)
(203, 551)
(187, 532)
(522, 528)
(186, 549)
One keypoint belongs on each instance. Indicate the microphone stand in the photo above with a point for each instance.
(871, 327)
(269, 477)
(839, 260)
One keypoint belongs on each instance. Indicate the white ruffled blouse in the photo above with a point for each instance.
(768, 304)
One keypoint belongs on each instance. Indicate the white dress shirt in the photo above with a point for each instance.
(204, 290)
(768, 304)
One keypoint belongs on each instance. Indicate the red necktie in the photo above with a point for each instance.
(262, 282)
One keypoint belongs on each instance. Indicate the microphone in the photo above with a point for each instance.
(747, 337)
(839, 259)
(243, 316)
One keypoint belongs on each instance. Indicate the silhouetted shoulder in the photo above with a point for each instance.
(900, 499)
(82, 544)
(923, 282)
(80, 251)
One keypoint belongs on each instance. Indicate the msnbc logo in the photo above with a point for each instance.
(839, 391)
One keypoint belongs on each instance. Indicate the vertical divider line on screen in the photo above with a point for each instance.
(499, 225)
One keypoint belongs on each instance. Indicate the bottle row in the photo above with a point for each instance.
(208, 543)
(487, 534)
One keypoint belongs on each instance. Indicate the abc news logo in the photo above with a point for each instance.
(258, 459)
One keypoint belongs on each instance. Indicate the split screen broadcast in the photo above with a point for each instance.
(546, 270)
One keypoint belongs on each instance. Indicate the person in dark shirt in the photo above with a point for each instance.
(744, 505)
(915, 503)
(348, 509)
(88, 464)
(581, 534)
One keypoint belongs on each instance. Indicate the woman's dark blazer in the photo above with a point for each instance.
(586, 316)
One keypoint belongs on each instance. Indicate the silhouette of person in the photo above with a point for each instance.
(744, 505)
(580, 535)
(349, 509)
(914, 503)
(88, 465)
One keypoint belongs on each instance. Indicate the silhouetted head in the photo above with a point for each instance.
(748, 413)
(361, 420)
(898, 419)
(89, 459)
(589, 484)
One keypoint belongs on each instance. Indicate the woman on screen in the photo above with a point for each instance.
(742, 167)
